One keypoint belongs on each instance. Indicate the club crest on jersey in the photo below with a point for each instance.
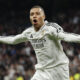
(31, 36)
(42, 32)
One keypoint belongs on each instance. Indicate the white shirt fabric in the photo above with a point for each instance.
(46, 43)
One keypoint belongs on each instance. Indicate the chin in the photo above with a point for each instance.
(35, 25)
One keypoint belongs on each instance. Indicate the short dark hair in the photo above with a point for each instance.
(37, 6)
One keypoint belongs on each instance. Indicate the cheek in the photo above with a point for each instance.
(31, 19)
(40, 19)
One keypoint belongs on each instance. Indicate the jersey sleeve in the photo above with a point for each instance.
(56, 29)
(68, 37)
(61, 35)
(14, 39)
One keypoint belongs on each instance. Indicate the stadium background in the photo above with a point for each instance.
(17, 61)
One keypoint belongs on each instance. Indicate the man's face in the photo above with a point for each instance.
(37, 17)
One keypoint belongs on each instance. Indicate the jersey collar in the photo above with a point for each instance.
(40, 28)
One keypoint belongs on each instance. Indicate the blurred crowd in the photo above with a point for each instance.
(70, 21)
(17, 61)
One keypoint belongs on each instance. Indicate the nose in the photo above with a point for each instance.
(34, 16)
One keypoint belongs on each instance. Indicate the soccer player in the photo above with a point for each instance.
(45, 37)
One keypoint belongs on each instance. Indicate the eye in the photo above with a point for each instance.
(31, 14)
(38, 13)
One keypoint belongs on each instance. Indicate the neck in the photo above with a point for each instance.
(37, 27)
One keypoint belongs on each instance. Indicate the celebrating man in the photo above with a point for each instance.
(52, 63)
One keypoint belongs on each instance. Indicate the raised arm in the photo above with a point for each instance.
(13, 39)
(69, 37)
(61, 35)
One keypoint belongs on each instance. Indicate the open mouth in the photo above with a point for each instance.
(35, 21)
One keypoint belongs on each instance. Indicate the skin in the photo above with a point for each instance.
(38, 15)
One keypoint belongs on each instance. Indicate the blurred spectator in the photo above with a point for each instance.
(17, 62)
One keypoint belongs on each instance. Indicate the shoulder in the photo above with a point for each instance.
(49, 27)
(28, 30)
(55, 26)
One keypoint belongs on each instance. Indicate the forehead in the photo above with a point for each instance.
(36, 10)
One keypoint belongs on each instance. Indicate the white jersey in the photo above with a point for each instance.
(46, 43)
(47, 46)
